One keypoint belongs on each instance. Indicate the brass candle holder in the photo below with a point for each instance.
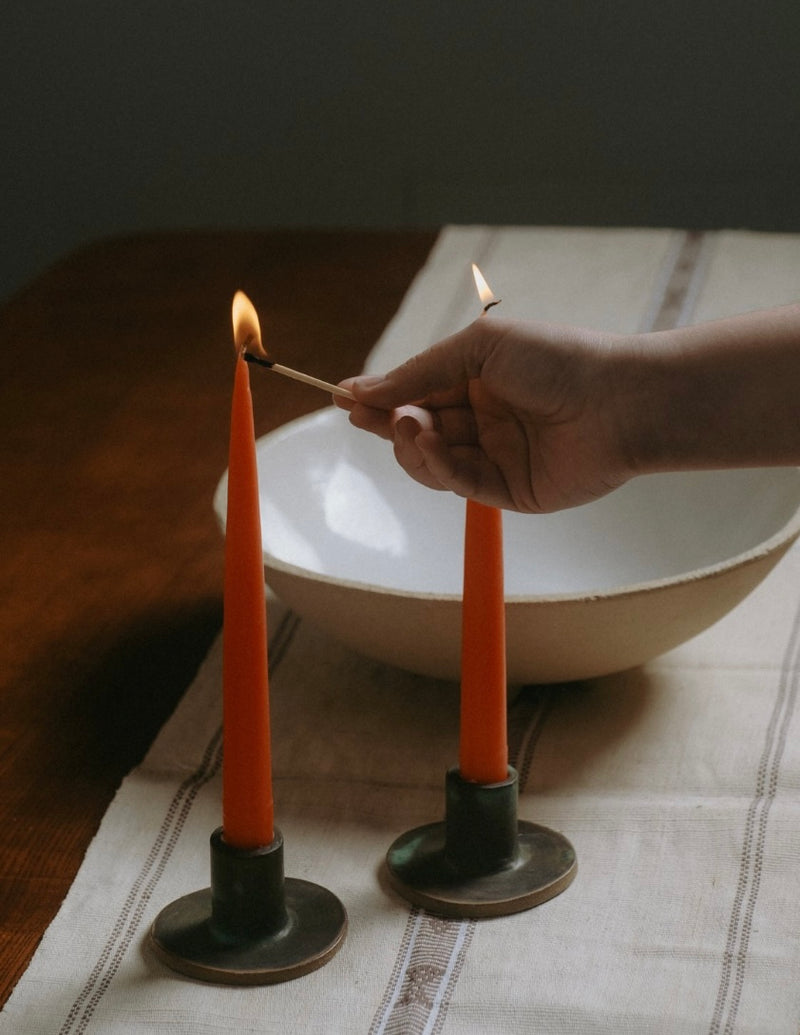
(253, 926)
(482, 860)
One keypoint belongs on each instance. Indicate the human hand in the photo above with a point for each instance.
(529, 417)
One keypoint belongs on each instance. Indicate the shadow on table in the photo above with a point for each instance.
(563, 735)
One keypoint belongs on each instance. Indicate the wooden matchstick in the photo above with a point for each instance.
(297, 375)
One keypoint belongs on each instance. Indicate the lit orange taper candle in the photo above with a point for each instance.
(247, 809)
(483, 746)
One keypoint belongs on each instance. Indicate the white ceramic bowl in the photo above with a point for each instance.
(353, 544)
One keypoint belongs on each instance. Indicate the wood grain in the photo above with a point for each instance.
(115, 381)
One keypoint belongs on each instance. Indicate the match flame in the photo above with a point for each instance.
(246, 328)
(484, 291)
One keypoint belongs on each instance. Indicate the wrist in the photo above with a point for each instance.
(721, 394)
(659, 403)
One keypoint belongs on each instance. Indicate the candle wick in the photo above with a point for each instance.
(488, 306)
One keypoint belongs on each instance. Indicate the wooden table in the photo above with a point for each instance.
(114, 405)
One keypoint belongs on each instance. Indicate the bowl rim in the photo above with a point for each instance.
(782, 538)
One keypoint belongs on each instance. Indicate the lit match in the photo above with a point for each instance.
(247, 337)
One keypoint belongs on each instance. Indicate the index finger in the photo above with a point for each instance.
(438, 376)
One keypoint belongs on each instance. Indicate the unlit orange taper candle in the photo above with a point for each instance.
(483, 746)
(247, 809)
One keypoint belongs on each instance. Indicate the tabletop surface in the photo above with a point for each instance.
(111, 568)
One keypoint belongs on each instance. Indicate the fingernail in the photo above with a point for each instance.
(407, 427)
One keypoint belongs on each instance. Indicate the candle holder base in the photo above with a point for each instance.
(253, 926)
(481, 861)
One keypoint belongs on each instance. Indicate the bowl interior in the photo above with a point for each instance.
(334, 504)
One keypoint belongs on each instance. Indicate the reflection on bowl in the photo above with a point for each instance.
(353, 544)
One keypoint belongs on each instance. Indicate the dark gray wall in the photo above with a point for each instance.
(156, 114)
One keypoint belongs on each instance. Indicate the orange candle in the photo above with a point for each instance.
(483, 749)
(483, 756)
(247, 810)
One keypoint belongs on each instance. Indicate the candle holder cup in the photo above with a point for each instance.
(482, 860)
(253, 926)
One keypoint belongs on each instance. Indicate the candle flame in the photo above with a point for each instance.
(486, 294)
(246, 328)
